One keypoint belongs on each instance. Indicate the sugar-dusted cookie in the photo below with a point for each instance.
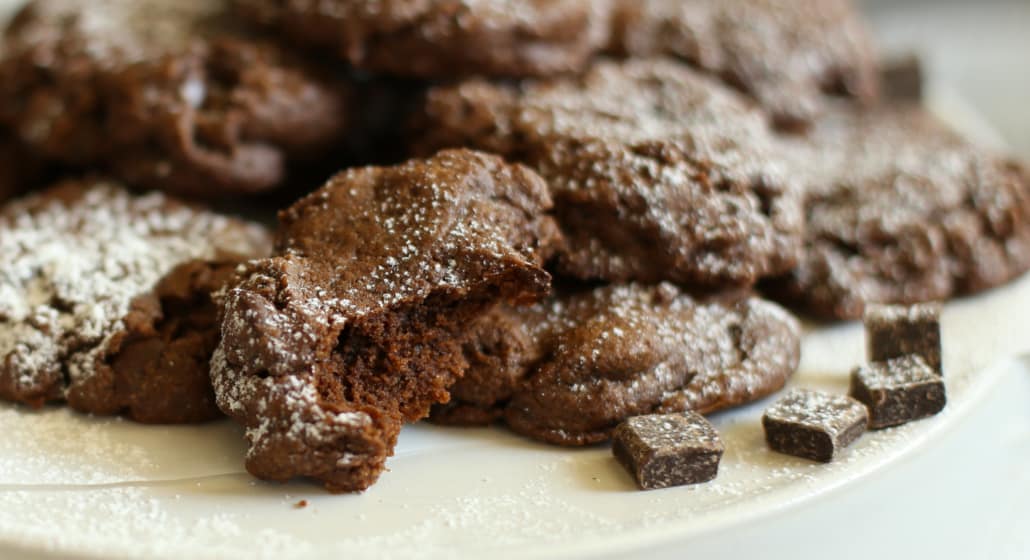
(105, 300)
(657, 172)
(568, 370)
(355, 326)
(169, 94)
(445, 38)
(900, 209)
(787, 54)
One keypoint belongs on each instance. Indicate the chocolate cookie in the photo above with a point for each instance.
(354, 327)
(785, 53)
(657, 172)
(166, 94)
(902, 210)
(18, 169)
(445, 38)
(568, 370)
(105, 300)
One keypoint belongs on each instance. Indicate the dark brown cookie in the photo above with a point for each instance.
(657, 172)
(163, 93)
(446, 38)
(900, 209)
(568, 370)
(785, 53)
(354, 328)
(105, 300)
(18, 169)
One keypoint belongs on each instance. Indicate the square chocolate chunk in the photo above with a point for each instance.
(893, 331)
(898, 391)
(814, 425)
(663, 450)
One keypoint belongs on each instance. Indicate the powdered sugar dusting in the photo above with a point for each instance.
(74, 259)
(817, 410)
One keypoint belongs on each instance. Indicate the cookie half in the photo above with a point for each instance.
(900, 209)
(570, 369)
(355, 326)
(445, 38)
(657, 172)
(787, 54)
(105, 300)
(163, 93)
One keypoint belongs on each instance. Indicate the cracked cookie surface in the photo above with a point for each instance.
(568, 370)
(900, 209)
(105, 300)
(657, 172)
(163, 94)
(787, 54)
(354, 327)
(445, 38)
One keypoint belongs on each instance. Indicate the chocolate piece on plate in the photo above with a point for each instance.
(902, 78)
(814, 425)
(898, 391)
(893, 331)
(663, 450)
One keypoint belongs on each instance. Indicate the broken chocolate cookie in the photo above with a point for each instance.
(570, 369)
(165, 94)
(787, 54)
(898, 391)
(657, 172)
(354, 327)
(663, 450)
(900, 209)
(445, 38)
(105, 300)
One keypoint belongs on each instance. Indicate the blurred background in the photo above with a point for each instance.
(980, 48)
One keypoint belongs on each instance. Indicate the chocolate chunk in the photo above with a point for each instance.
(900, 209)
(355, 325)
(814, 425)
(893, 331)
(657, 171)
(663, 450)
(902, 78)
(898, 391)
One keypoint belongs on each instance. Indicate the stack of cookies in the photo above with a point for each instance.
(557, 214)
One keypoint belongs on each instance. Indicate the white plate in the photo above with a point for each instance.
(73, 485)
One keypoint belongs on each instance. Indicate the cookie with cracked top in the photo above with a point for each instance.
(354, 327)
(902, 210)
(570, 369)
(105, 300)
(657, 172)
(445, 38)
(164, 94)
(787, 54)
